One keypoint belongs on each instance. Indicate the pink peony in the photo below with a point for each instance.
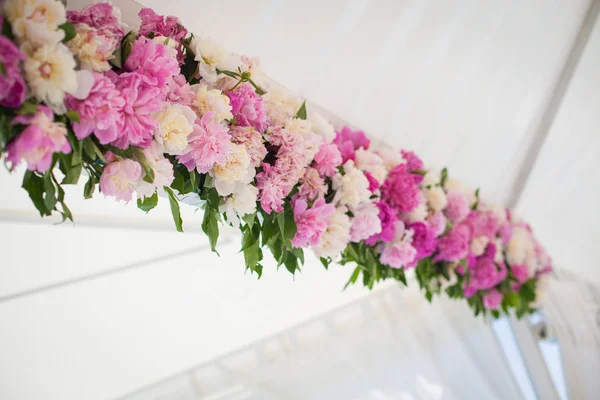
(161, 26)
(413, 162)
(485, 273)
(137, 125)
(286, 143)
(520, 272)
(252, 140)
(400, 190)
(482, 224)
(12, 85)
(119, 179)
(457, 208)
(437, 222)
(327, 160)
(313, 186)
(247, 107)
(38, 141)
(311, 222)
(153, 62)
(492, 300)
(453, 246)
(388, 218)
(365, 222)
(374, 185)
(423, 240)
(398, 254)
(348, 141)
(99, 16)
(209, 144)
(101, 112)
(179, 91)
(272, 186)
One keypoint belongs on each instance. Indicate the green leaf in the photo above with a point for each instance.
(138, 153)
(302, 111)
(148, 203)
(50, 192)
(291, 263)
(126, 43)
(69, 31)
(7, 29)
(249, 219)
(178, 181)
(90, 186)
(34, 185)
(421, 172)
(210, 226)
(443, 177)
(429, 296)
(72, 115)
(299, 254)
(512, 299)
(325, 262)
(174, 202)
(353, 277)
(28, 108)
(474, 207)
(3, 69)
(72, 175)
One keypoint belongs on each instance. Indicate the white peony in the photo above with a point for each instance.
(312, 141)
(436, 198)
(90, 49)
(163, 171)
(211, 56)
(281, 104)
(36, 21)
(391, 157)
(520, 248)
(175, 122)
(419, 214)
(50, 73)
(212, 100)
(367, 161)
(238, 168)
(337, 236)
(431, 178)
(242, 201)
(322, 127)
(365, 222)
(479, 244)
(352, 188)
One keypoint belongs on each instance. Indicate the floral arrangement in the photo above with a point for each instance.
(157, 109)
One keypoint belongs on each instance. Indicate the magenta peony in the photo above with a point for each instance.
(247, 107)
(454, 245)
(12, 85)
(400, 190)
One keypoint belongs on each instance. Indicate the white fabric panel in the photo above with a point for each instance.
(462, 82)
(562, 194)
(106, 337)
(391, 345)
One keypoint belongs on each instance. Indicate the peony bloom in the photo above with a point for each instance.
(357, 139)
(163, 171)
(311, 222)
(337, 236)
(180, 91)
(423, 240)
(365, 223)
(413, 162)
(36, 21)
(436, 198)
(50, 73)
(209, 144)
(485, 273)
(322, 127)
(100, 112)
(103, 16)
(119, 179)
(153, 61)
(12, 85)
(352, 188)
(437, 222)
(237, 168)
(165, 27)
(211, 57)
(174, 124)
(281, 104)
(252, 141)
(137, 125)
(454, 245)
(327, 160)
(311, 142)
(213, 101)
(391, 157)
(374, 185)
(38, 141)
(273, 188)
(368, 161)
(521, 272)
(93, 47)
(457, 208)
(398, 254)
(419, 214)
(312, 185)
(482, 224)
(388, 218)
(400, 190)
(242, 201)
(478, 245)
(493, 299)
(247, 107)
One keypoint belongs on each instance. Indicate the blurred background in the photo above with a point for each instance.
(506, 94)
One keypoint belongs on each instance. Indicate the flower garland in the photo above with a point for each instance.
(159, 109)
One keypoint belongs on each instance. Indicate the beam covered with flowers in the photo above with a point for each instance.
(158, 109)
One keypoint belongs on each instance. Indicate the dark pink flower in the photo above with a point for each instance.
(373, 183)
(454, 245)
(493, 299)
(413, 162)
(99, 16)
(348, 140)
(423, 240)
(247, 107)
(520, 272)
(388, 218)
(400, 190)
(485, 273)
(169, 26)
(12, 85)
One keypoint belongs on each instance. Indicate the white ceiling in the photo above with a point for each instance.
(462, 82)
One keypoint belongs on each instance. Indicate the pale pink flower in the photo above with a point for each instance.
(153, 61)
(247, 107)
(311, 223)
(119, 179)
(312, 185)
(327, 160)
